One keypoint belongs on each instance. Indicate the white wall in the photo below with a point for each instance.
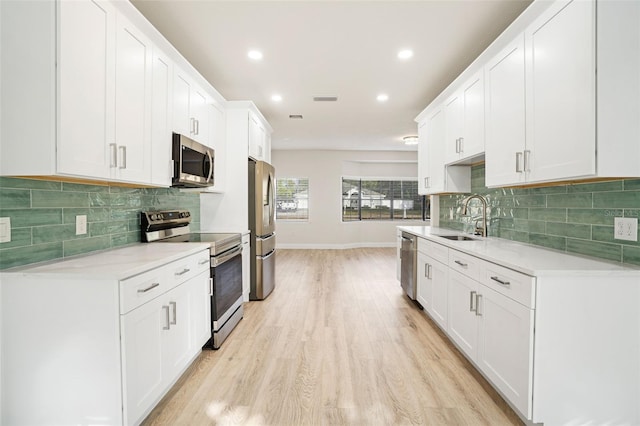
(325, 170)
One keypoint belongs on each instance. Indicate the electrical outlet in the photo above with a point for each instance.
(81, 224)
(625, 228)
(5, 229)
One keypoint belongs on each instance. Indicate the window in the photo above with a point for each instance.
(369, 199)
(292, 198)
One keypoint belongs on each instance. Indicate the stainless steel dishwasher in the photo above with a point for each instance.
(408, 263)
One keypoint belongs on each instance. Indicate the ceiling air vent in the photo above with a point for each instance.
(295, 116)
(325, 98)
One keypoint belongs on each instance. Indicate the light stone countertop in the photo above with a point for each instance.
(526, 258)
(114, 264)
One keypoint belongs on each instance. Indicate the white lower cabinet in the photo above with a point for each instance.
(113, 347)
(432, 288)
(487, 311)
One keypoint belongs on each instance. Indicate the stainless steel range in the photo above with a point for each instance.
(172, 226)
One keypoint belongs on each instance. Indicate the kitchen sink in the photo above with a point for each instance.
(457, 237)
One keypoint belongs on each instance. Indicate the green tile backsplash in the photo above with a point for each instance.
(576, 218)
(43, 216)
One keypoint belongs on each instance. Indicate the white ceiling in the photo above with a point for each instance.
(346, 49)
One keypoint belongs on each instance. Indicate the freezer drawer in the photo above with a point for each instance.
(265, 276)
(265, 245)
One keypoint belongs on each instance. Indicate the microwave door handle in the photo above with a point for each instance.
(210, 175)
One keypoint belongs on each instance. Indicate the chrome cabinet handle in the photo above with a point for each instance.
(426, 270)
(429, 271)
(175, 310)
(461, 144)
(426, 182)
(464, 265)
(498, 280)
(478, 299)
(457, 145)
(168, 326)
(527, 160)
(151, 287)
(472, 297)
(113, 155)
(518, 161)
(184, 271)
(197, 127)
(203, 261)
(123, 157)
(192, 125)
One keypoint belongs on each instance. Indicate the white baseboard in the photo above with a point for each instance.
(333, 246)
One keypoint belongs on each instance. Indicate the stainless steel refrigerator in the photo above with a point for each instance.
(262, 207)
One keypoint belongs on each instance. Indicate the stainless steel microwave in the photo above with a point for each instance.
(193, 163)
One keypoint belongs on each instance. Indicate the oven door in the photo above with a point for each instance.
(226, 271)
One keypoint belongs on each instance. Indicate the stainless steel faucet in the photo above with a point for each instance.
(479, 230)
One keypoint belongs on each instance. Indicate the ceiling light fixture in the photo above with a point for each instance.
(276, 98)
(405, 54)
(410, 140)
(256, 55)
(295, 116)
(382, 97)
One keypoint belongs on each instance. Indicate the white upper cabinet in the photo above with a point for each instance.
(562, 99)
(561, 89)
(434, 177)
(259, 139)
(217, 134)
(86, 78)
(132, 143)
(161, 107)
(505, 116)
(464, 116)
(190, 108)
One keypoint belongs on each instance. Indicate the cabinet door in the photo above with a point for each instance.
(453, 117)
(256, 138)
(133, 104)
(435, 152)
(560, 92)
(472, 138)
(199, 114)
(177, 341)
(182, 123)
(439, 277)
(86, 88)
(161, 168)
(423, 159)
(463, 325)
(505, 347)
(424, 285)
(505, 108)
(142, 346)
(200, 299)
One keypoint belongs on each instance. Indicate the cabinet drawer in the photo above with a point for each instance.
(515, 285)
(187, 268)
(466, 264)
(142, 288)
(435, 250)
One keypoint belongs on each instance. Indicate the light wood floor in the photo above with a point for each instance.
(335, 343)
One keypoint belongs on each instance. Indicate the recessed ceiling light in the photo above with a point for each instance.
(276, 98)
(405, 54)
(382, 97)
(256, 55)
(410, 140)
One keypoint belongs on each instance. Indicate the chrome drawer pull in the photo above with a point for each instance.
(478, 298)
(472, 297)
(203, 261)
(464, 265)
(184, 271)
(151, 287)
(504, 283)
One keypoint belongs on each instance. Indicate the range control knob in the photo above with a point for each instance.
(153, 216)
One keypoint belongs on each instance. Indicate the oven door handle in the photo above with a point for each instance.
(219, 260)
